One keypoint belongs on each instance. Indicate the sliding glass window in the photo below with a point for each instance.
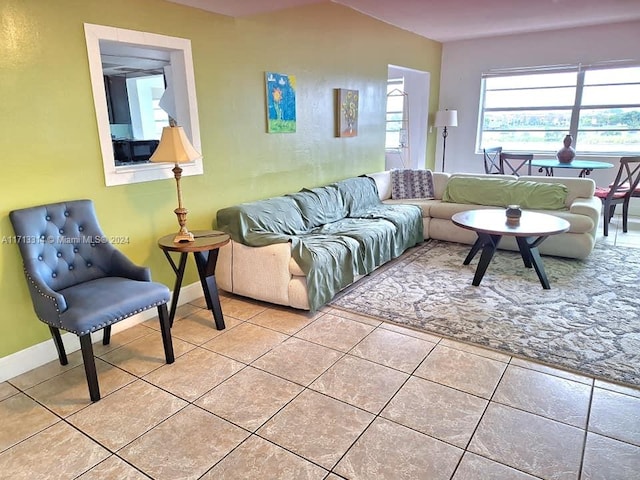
(532, 111)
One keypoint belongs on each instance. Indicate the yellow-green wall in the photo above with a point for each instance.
(49, 146)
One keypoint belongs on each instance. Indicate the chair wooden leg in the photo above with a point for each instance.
(57, 339)
(165, 328)
(106, 335)
(625, 215)
(90, 366)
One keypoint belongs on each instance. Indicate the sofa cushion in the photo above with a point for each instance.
(359, 194)
(501, 192)
(320, 205)
(411, 184)
(263, 222)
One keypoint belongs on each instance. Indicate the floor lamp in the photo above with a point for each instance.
(445, 118)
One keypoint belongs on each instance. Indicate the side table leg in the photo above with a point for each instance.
(179, 271)
(206, 270)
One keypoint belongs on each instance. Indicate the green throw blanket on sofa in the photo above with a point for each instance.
(337, 232)
(501, 192)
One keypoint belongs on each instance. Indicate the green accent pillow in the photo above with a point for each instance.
(501, 192)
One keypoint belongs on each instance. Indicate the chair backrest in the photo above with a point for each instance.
(492, 160)
(62, 243)
(512, 163)
(627, 179)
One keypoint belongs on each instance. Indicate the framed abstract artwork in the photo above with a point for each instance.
(281, 102)
(347, 112)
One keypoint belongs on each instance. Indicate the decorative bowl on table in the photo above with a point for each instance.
(513, 213)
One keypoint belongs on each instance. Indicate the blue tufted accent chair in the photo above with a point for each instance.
(79, 282)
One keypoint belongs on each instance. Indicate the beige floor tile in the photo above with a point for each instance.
(126, 414)
(200, 327)
(615, 387)
(298, 360)
(285, 320)
(387, 450)
(194, 373)
(201, 302)
(451, 416)
(483, 352)
(46, 371)
(67, 393)
(59, 452)
(609, 459)
(462, 370)
(184, 446)
(21, 417)
(615, 415)
(242, 308)
(258, 459)
(547, 395)
(475, 467)
(113, 468)
(411, 332)
(249, 398)
(182, 311)
(335, 332)
(316, 427)
(246, 342)
(360, 383)
(527, 442)
(558, 372)
(7, 390)
(393, 349)
(144, 354)
(354, 316)
(121, 338)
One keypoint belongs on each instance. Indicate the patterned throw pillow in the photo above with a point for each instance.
(411, 184)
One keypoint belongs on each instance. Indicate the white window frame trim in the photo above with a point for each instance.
(185, 92)
(579, 70)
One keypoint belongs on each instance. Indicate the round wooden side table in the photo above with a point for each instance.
(205, 249)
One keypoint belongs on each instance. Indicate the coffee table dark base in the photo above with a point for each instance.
(528, 250)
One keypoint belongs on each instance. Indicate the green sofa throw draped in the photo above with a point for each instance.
(502, 192)
(337, 232)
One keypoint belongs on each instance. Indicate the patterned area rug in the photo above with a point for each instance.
(588, 322)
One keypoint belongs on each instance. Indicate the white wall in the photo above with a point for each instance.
(463, 63)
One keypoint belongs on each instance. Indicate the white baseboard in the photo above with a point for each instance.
(41, 353)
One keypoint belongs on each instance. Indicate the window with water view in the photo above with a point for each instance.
(532, 112)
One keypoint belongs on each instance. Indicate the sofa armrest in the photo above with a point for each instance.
(591, 207)
(242, 270)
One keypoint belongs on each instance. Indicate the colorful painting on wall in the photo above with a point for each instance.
(348, 112)
(281, 102)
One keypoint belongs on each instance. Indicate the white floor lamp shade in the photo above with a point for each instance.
(445, 118)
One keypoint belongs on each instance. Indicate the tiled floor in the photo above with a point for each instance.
(283, 394)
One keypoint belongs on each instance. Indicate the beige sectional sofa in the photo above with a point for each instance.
(582, 212)
(270, 273)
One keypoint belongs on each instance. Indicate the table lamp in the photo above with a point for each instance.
(175, 148)
(445, 118)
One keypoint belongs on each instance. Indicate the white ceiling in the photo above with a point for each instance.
(449, 20)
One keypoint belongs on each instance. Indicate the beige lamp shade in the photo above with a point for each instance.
(174, 147)
(446, 118)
